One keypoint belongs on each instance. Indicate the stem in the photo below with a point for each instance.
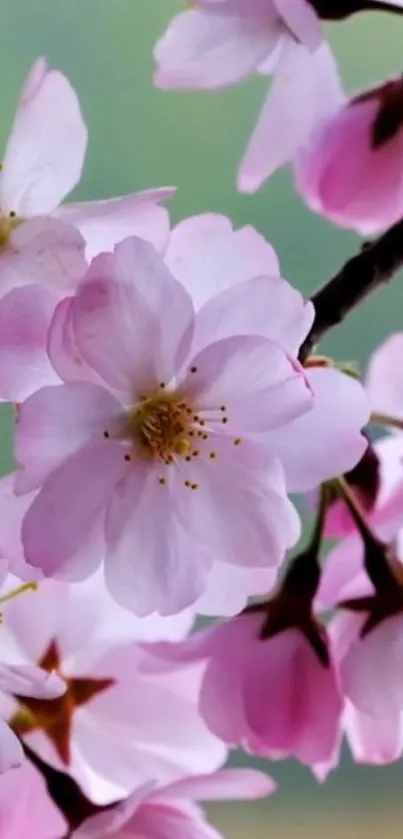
(375, 265)
(316, 539)
(303, 575)
(339, 9)
(357, 511)
(386, 420)
(378, 559)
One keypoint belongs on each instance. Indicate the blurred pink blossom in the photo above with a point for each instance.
(219, 44)
(117, 725)
(351, 169)
(275, 696)
(169, 812)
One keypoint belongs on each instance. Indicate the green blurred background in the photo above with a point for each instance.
(141, 137)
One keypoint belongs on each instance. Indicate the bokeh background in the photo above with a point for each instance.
(141, 137)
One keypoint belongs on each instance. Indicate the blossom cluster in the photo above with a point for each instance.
(166, 414)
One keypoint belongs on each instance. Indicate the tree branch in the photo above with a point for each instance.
(375, 265)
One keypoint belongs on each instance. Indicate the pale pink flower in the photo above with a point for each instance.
(276, 695)
(169, 812)
(39, 245)
(176, 420)
(351, 169)
(43, 161)
(25, 807)
(219, 44)
(117, 725)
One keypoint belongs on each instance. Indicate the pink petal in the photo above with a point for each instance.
(131, 297)
(151, 727)
(105, 223)
(204, 51)
(151, 564)
(207, 255)
(229, 587)
(61, 530)
(159, 820)
(45, 151)
(113, 623)
(266, 306)
(11, 550)
(45, 608)
(25, 680)
(62, 347)
(292, 702)
(46, 252)
(224, 785)
(112, 820)
(240, 511)
(384, 377)
(374, 740)
(55, 422)
(372, 668)
(261, 387)
(26, 808)
(302, 20)
(343, 564)
(11, 753)
(25, 314)
(221, 698)
(327, 440)
(306, 90)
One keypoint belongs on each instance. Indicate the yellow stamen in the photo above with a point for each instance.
(17, 591)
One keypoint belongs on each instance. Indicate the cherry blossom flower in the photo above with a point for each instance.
(169, 812)
(116, 726)
(214, 45)
(277, 696)
(170, 421)
(25, 807)
(351, 169)
(39, 246)
(43, 161)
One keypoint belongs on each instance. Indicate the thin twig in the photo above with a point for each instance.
(375, 265)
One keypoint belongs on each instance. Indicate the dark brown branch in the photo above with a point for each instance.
(375, 265)
(64, 791)
(339, 9)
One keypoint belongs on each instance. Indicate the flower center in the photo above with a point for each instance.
(54, 716)
(163, 425)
